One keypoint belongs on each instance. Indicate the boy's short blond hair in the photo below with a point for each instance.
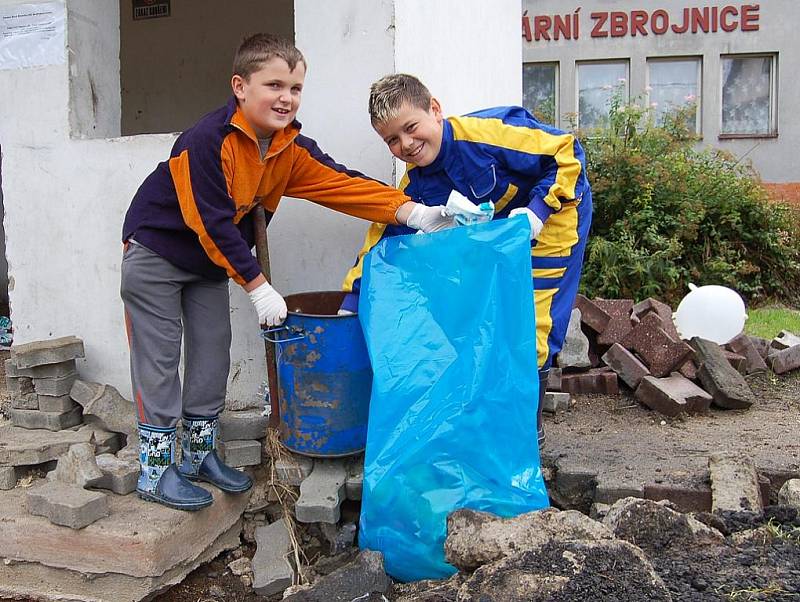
(388, 94)
(257, 49)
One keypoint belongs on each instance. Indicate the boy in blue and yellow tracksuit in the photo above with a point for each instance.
(189, 229)
(501, 155)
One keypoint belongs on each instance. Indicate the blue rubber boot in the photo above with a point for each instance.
(159, 479)
(200, 460)
(543, 375)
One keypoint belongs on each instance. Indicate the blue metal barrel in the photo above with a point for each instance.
(324, 377)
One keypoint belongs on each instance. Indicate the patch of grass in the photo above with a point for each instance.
(754, 593)
(767, 322)
(783, 532)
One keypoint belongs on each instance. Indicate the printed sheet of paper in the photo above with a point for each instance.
(32, 35)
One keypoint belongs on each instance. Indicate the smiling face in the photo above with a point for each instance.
(414, 135)
(270, 97)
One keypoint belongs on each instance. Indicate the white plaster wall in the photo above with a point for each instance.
(64, 204)
(93, 43)
(775, 158)
(348, 44)
(467, 52)
(65, 197)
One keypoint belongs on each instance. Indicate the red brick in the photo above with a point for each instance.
(662, 310)
(786, 360)
(593, 381)
(687, 498)
(620, 324)
(592, 315)
(745, 347)
(625, 364)
(673, 395)
(659, 351)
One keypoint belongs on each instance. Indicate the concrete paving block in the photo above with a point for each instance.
(8, 478)
(728, 388)
(78, 467)
(119, 476)
(53, 351)
(784, 340)
(140, 549)
(11, 368)
(242, 425)
(358, 580)
(789, 494)
(105, 442)
(785, 360)
(240, 453)
(54, 370)
(743, 345)
(761, 345)
(554, 379)
(592, 314)
(322, 493)
(609, 490)
(293, 470)
(626, 365)
(28, 401)
(555, 401)
(672, 395)
(734, 484)
(19, 385)
(113, 412)
(66, 504)
(272, 570)
(575, 350)
(52, 421)
(685, 497)
(23, 447)
(51, 403)
(56, 386)
(354, 485)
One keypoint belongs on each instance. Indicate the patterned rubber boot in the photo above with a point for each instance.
(200, 460)
(159, 479)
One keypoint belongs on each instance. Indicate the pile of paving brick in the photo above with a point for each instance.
(92, 445)
(613, 340)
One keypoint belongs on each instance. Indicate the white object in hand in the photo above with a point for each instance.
(270, 306)
(536, 223)
(715, 313)
(429, 219)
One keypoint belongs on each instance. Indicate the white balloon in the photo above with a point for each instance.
(715, 313)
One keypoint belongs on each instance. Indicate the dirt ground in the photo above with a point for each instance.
(626, 442)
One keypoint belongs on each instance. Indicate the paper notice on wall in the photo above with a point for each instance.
(32, 35)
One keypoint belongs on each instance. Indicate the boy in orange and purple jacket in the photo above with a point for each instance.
(189, 229)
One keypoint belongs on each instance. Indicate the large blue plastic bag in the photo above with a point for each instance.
(449, 323)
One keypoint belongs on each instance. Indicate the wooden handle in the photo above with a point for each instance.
(262, 254)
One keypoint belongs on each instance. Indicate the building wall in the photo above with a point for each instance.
(773, 157)
(176, 69)
(65, 190)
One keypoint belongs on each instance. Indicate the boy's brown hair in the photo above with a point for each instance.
(388, 94)
(257, 49)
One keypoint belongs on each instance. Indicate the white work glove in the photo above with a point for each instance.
(270, 306)
(536, 223)
(429, 219)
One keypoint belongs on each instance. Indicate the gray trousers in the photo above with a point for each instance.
(163, 304)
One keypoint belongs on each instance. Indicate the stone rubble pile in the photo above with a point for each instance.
(609, 341)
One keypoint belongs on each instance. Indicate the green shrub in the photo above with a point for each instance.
(667, 214)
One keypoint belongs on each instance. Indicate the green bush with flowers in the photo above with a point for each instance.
(667, 213)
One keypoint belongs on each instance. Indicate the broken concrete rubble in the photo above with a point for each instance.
(78, 467)
(726, 385)
(112, 411)
(734, 484)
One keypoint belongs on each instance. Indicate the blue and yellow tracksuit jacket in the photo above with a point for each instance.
(504, 155)
(194, 209)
